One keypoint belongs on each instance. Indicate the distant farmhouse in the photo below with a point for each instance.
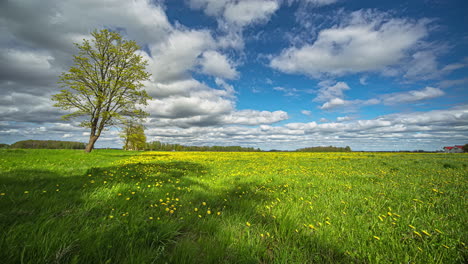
(454, 149)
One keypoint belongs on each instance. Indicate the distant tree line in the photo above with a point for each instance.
(325, 149)
(157, 145)
(45, 144)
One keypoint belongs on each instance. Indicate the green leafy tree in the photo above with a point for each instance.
(465, 148)
(134, 136)
(104, 86)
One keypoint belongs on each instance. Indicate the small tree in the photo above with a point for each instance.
(465, 148)
(104, 84)
(134, 136)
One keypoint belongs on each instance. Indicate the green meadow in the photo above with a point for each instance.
(111, 206)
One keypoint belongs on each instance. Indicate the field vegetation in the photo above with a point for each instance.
(111, 206)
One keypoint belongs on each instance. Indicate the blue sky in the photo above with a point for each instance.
(282, 74)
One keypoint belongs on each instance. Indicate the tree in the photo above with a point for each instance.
(465, 148)
(104, 86)
(134, 136)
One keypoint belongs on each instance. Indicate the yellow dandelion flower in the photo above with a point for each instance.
(328, 223)
(2, 194)
(412, 227)
(218, 213)
(311, 226)
(26, 192)
(377, 238)
(262, 235)
(171, 211)
(203, 203)
(167, 209)
(119, 194)
(438, 231)
(150, 218)
(111, 216)
(417, 233)
(196, 209)
(199, 216)
(208, 212)
(425, 232)
(445, 246)
(247, 224)
(128, 198)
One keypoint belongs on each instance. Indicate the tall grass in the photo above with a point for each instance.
(62, 206)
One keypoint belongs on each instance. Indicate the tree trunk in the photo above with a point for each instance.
(90, 146)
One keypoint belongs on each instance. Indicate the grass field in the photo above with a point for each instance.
(64, 206)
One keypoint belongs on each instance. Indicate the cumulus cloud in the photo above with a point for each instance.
(412, 96)
(173, 53)
(173, 58)
(254, 117)
(333, 103)
(216, 64)
(244, 13)
(419, 129)
(234, 16)
(359, 45)
(330, 90)
(332, 96)
(239, 13)
(343, 118)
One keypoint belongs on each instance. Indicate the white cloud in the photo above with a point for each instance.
(174, 58)
(335, 102)
(360, 45)
(330, 90)
(332, 96)
(306, 112)
(412, 96)
(237, 13)
(254, 117)
(343, 118)
(216, 64)
(439, 127)
(243, 13)
(206, 101)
